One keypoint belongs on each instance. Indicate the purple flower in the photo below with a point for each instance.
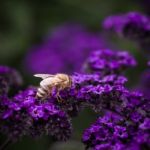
(107, 61)
(124, 124)
(25, 115)
(11, 75)
(64, 42)
(100, 96)
(126, 117)
(142, 139)
(14, 121)
(120, 132)
(9, 78)
(135, 116)
(113, 132)
(132, 25)
(36, 112)
(146, 124)
(102, 147)
(88, 90)
(99, 135)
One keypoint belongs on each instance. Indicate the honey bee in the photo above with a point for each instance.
(49, 82)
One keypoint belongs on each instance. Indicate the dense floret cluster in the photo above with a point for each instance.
(107, 61)
(112, 132)
(9, 78)
(25, 115)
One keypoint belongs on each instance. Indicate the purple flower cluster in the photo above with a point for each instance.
(25, 115)
(125, 125)
(89, 90)
(9, 78)
(128, 126)
(132, 25)
(64, 41)
(107, 61)
(111, 132)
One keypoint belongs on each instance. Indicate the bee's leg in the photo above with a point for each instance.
(59, 98)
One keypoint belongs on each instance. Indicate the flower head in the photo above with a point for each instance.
(114, 132)
(9, 78)
(107, 61)
(25, 115)
(64, 42)
(132, 25)
(88, 90)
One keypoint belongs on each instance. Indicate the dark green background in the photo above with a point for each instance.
(24, 23)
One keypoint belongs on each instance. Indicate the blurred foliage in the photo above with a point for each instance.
(24, 23)
(69, 145)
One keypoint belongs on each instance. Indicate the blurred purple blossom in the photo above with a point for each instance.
(64, 50)
(9, 78)
(132, 25)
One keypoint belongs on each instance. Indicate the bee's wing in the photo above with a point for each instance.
(43, 76)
